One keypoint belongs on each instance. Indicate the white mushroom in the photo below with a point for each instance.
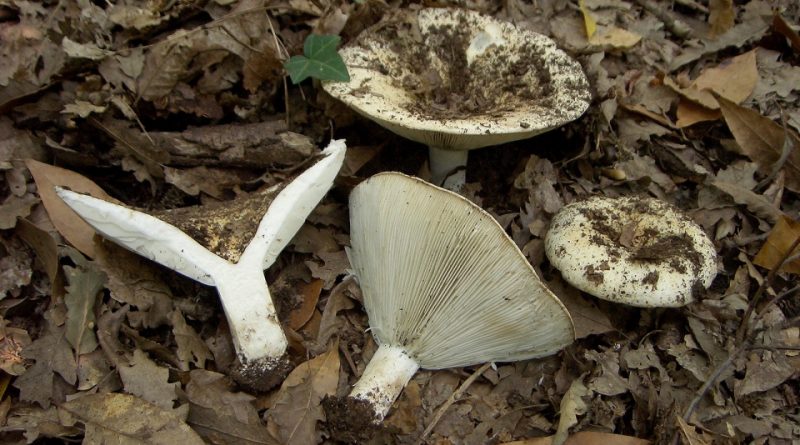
(456, 80)
(638, 251)
(443, 286)
(236, 266)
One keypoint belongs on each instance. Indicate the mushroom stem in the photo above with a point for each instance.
(247, 304)
(384, 378)
(448, 167)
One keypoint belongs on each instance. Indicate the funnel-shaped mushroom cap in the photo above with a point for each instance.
(459, 80)
(443, 281)
(638, 251)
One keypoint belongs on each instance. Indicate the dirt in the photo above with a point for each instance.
(495, 83)
(350, 420)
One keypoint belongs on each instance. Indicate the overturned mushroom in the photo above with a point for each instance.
(457, 80)
(443, 286)
(228, 249)
(633, 250)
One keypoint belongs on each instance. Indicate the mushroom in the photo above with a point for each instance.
(457, 80)
(233, 262)
(634, 250)
(443, 287)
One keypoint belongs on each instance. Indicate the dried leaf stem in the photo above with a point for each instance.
(450, 400)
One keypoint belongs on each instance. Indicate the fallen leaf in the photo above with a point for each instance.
(66, 221)
(764, 372)
(733, 79)
(614, 38)
(781, 237)
(721, 16)
(142, 377)
(755, 203)
(12, 342)
(297, 409)
(300, 316)
(214, 391)
(572, 406)
(52, 354)
(784, 29)
(589, 23)
(762, 140)
(222, 429)
(585, 438)
(45, 247)
(122, 418)
(191, 348)
(84, 286)
(13, 208)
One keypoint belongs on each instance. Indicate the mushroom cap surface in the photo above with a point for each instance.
(458, 80)
(633, 250)
(443, 281)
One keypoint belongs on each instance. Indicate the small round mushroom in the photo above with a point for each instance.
(633, 250)
(444, 287)
(457, 80)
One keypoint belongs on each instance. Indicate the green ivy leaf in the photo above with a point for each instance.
(320, 60)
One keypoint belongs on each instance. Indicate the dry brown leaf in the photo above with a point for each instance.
(297, 409)
(585, 438)
(783, 28)
(614, 38)
(690, 113)
(721, 16)
(66, 221)
(122, 418)
(780, 239)
(191, 348)
(762, 140)
(572, 406)
(757, 204)
(300, 316)
(733, 79)
(145, 379)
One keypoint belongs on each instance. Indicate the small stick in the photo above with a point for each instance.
(451, 400)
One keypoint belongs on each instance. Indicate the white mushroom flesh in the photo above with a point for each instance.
(385, 376)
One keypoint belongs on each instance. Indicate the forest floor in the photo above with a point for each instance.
(166, 104)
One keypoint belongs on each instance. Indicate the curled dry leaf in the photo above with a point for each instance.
(762, 140)
(780, 240)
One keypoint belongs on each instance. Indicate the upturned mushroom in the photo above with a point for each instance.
(443, 287)
(457, 80)
(228, 248)
(633, 250)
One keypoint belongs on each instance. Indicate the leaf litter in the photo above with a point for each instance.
(172, 104)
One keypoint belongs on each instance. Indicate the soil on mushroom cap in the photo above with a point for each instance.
(672, 250)
(495, 82)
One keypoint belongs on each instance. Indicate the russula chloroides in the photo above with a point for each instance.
(236, 265)
(457, 80)
(633, 250)
(443, 287)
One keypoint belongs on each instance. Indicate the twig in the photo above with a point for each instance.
(675, 26)
(452, 399)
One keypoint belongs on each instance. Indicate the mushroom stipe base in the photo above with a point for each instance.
(260, 375)
(350, 420)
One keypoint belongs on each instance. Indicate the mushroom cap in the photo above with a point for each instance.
(633, 250)
(443, 281)
(459, 80)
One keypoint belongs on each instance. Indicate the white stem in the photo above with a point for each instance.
(384, 378)
(254, 325)
(443, 162)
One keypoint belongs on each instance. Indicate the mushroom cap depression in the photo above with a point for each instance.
(633, 250)
(458, 80)
(443, 281)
